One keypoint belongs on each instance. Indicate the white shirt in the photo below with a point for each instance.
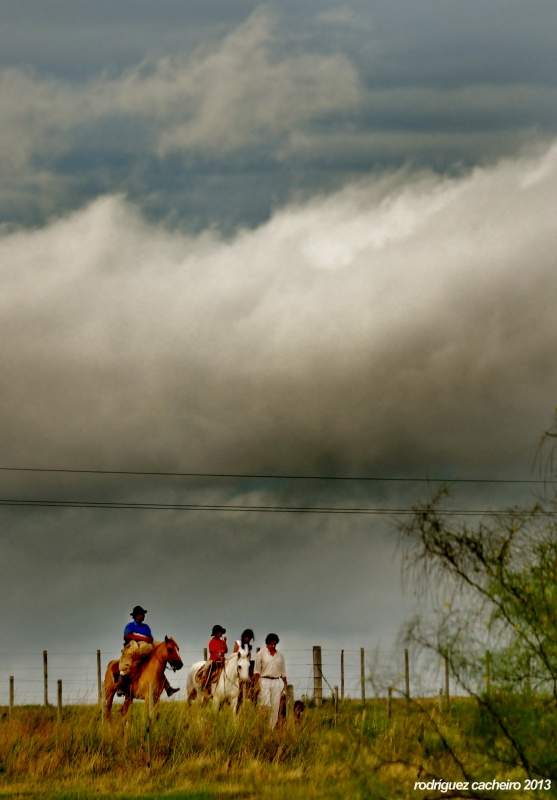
(268, 666)
(244, 649)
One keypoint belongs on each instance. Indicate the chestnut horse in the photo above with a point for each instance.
(151, 670)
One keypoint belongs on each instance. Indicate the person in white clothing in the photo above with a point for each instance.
(270, 670)
(243, 644)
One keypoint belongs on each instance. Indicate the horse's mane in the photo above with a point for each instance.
(168, 640)
(158, 647)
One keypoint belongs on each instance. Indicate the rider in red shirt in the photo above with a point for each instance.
(217, 651)
(217, 646)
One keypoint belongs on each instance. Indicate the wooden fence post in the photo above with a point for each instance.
(204, 654)
(99, 681)
(342, 674)
(317, 676)
(363, 674)
(45, 676)
(336, 704)
(59, 700)
(406, 676)
(11, 695)
(149, 717)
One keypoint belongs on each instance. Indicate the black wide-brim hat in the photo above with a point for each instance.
(218, 629)
(138, 610)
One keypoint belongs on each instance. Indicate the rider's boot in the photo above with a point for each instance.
(123, 685)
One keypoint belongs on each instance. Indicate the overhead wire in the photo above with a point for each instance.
(284, 509)
(265, 509)
(255, 476)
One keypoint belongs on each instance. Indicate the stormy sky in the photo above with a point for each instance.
(251, 239)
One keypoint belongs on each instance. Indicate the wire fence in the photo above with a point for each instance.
(359, 673)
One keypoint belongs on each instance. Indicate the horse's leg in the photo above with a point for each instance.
(128, 700)
(238, 697)
(202, 695)
(156, 710)
(109, 687)
(109, 691)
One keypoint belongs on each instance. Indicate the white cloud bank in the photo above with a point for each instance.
(407, 323)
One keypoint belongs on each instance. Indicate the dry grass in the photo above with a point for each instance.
(198, 755)
(194, 753)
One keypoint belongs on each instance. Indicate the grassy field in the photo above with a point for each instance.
(198, 755)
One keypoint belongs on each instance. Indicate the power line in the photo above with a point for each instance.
(263, 509)
(254, 476)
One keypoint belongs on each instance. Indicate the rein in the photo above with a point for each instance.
(225, 676)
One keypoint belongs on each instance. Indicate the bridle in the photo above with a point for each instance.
(225, 677)
(165, 661)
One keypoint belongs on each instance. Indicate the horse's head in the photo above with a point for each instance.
(242, 666)
(172, 653)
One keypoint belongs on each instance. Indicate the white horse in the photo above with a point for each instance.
(236, 670)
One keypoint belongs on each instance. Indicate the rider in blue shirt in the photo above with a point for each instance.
(141, 629)
(138, 641)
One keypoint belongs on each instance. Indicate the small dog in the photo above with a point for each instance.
(299, 708)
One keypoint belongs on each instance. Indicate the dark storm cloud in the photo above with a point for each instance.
(233, 102)
(267, 102)
(454, 44)
(76, 41)
(405, 322)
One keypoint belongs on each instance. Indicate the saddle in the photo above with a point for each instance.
(134, 673)
(208, 675)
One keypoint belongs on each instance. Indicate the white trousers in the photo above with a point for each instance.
(269, 696)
